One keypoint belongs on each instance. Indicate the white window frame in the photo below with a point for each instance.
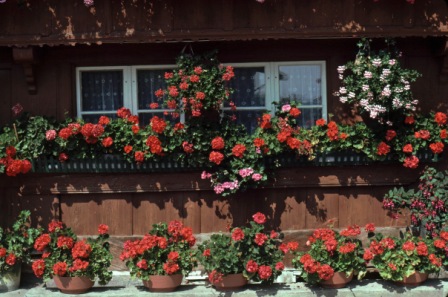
(130, 99)
(323, 85)
(126, 87)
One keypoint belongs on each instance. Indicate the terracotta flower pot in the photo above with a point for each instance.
(73, 284)
(338, 280)
(414, 279)
(163, 283)
(10, 280)
(231, 282)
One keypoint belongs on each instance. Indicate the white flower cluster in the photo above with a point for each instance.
(377, 84)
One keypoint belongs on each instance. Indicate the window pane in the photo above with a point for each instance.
(148, 81)
(249, 118)
(93, 118)
(101, 90)
(301, 83)
(249, 87)
(308, 117)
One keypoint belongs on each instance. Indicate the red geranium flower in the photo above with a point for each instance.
(260, 238)
(218, 143)
(60, 268)
(38, 268)
(440, 118)
(411, 162)
(382, 149)
(279, 266)
(107, 142)
(370, 227)
(325, 272)
(264, 272)
(103, 229)
(216, 157)
(251, 266)
(259, 218)
(238, 150)
(436, 147)
(10, 259)
(407, 148)
(237, 234)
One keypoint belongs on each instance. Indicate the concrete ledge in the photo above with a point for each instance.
(363, 288)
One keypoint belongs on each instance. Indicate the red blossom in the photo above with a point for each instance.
(259, 218)
(103, 229)
(258, 142)
(294, 112)
(408, 148)
(2, 252)
(382, 149)
(264, 272)
(38, 268)
(60, 268)
(238, 150)
(411, 162)
(216, 157)
(11, 259)
(409, 120)
(139, 156)
(251, 266)
(41, 242)
(157, 124)
(217, 143)
(55, 226)
(237, 234)
(260, 239)
(170, 267)
(127, 149)
(123, 113)
(320, 122)
(325, 272)
(440, 118)
(107, 142)
(370, 227)
(81, 249)
(103, 120)
(437, 147)
(279, 266)
(390, 134)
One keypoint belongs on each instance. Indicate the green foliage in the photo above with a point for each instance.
(17, 242)
(427, 203)
(165, 250)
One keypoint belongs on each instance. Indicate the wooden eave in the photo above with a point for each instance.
(54, 22)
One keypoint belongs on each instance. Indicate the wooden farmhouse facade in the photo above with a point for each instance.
(45, 45)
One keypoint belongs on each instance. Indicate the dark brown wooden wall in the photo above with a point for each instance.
(55, 68)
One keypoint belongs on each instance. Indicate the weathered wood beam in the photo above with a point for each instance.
(27, 58)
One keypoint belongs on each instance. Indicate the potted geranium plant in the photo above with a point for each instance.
(72, 263)
(16, 244)
(247, 253)
(405, 260)
(333, 258)
(162, 257)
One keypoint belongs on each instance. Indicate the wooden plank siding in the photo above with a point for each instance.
(56, 22)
